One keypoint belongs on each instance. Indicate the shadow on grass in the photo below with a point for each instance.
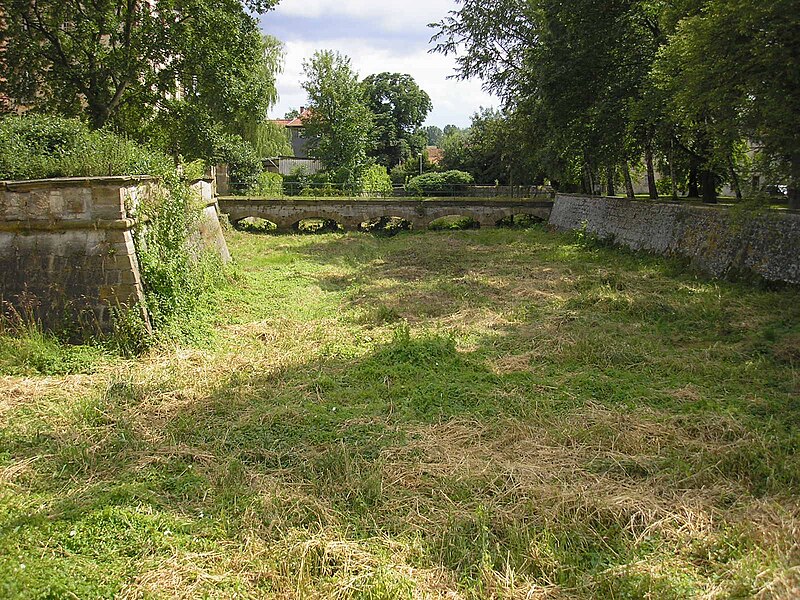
(597, 423)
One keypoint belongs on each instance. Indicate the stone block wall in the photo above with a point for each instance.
(719, 241)
(67, 249)
(209, 235)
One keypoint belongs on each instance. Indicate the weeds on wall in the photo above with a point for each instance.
(176, 274)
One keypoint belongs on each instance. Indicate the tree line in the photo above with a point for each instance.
(703, 91)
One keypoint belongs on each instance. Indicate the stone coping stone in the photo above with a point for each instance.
(31, 184)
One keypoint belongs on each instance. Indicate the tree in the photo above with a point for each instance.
(119, 62)
(399, 107)
(266, 137)
(434, 134)
(340, 124)
(730, 72)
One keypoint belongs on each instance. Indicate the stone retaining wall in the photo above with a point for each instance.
(719, 241)
(66, 247)
(67, 252)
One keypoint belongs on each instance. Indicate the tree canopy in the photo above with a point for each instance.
(686, 85)
(340, 123)
(399, 107)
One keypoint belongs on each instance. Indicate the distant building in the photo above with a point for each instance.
(435, 154)
(296, 129)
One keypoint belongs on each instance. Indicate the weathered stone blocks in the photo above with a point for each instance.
(67, 248)
(716, 240)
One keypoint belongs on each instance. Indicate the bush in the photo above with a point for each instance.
(267, 184)
(39, 146)
(376, 182)
(176, 277)
(449, 183)
(244, 165)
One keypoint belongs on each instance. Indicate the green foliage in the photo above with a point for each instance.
(448, 183)
(433, 134)
(39, 146)
(595, 86)
(244, 165)
(340, 125)
(119, 62)
(399, 107)
(268, 184)
(177, 275)
(494, 149)
(411, 168)
(376, 181)
(27, 350)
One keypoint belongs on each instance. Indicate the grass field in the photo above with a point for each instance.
(476, 414)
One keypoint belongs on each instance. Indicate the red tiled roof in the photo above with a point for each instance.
(435, 154)
(296, 122)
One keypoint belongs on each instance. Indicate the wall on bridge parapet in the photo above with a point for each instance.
(719, 241)
(67, 249)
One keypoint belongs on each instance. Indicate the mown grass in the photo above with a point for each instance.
(473, 414)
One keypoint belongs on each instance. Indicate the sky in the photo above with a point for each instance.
(378, 35)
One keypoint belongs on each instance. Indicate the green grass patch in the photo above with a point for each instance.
(484, 413)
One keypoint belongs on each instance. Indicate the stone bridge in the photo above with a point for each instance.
(287, 213)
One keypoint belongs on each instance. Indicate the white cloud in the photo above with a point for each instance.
(393, 15)
(378, 36)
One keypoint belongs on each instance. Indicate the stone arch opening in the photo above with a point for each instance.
(454, 222)
(386, 225)
(255, 225)
(317, 224)
(519, 221)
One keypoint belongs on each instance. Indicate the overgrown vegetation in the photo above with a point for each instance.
(448, 183)
(38, 147)
(477, 414)
(177, 275)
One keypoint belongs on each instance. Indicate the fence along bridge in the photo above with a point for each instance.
(287, 213)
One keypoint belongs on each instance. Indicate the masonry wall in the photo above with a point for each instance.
(67, 250)
(719, 241)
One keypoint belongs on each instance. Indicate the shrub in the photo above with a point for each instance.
(376, 181)
(267, 184)
(39, 146)
(244, 165)
(449, 183)
(176, 276)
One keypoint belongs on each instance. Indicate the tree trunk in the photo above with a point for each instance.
(651, 172)
(734, 180)
(610, 182)
(673, 183)
(708, 185)
(626, 172)
(694, 190)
